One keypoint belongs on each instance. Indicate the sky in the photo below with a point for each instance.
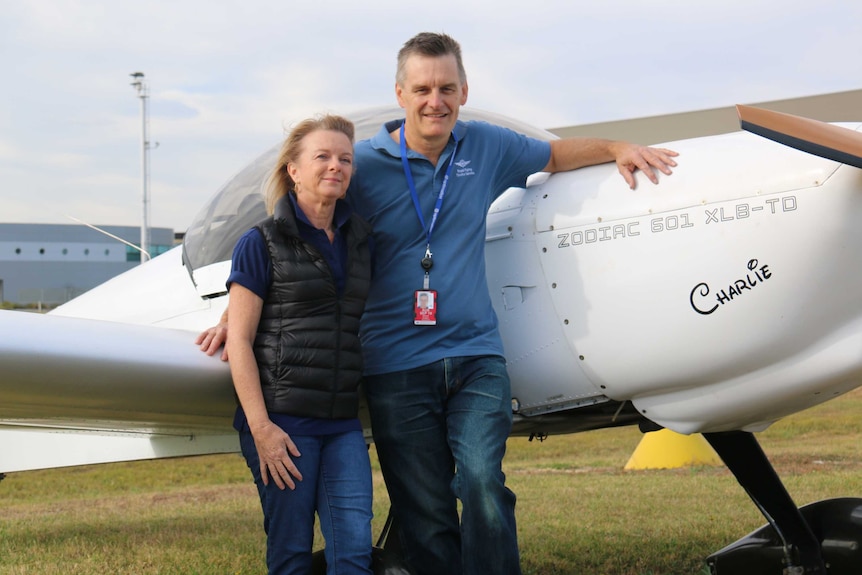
(227, 78)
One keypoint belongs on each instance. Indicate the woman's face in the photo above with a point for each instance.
(324, 166)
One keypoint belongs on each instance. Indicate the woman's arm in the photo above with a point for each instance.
(274, 446)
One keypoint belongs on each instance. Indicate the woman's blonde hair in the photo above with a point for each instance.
(279, 182)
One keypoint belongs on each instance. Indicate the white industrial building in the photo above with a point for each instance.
(53, 263)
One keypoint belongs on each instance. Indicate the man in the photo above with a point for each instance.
(439, 395)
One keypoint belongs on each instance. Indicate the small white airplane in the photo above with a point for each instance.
(717, 302)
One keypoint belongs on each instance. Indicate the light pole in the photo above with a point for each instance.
(140, 84)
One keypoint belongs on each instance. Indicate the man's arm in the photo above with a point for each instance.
(573, 153)
(211, 339)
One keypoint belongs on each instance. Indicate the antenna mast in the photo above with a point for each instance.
(140, 84)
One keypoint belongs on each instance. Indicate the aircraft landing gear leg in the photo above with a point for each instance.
(744, 457)
(387, 554)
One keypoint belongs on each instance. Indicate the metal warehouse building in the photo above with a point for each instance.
(53, 263)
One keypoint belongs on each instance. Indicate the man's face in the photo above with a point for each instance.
(431, 95)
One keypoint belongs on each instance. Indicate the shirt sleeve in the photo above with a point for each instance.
(250, 266)
(521, 157)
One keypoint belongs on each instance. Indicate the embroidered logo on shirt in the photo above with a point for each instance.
(463, 170)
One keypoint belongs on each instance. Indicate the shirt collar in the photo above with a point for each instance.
(340, 217)
(384, 142)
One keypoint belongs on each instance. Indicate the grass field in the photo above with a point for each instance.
(578, 511)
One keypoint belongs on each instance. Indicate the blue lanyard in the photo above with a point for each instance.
(415, 196)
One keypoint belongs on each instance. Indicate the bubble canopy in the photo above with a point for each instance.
(239, 204)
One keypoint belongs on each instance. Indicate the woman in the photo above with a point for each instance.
(298, 285)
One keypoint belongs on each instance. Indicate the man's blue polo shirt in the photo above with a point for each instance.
(489, 160)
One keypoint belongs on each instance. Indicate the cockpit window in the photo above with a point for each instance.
(239, 205)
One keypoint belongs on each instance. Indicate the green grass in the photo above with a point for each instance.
(578, 511)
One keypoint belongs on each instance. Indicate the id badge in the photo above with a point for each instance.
(425, 307)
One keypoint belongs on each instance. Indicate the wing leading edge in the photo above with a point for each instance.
(76, 391)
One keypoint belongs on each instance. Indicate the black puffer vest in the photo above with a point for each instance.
(307, 344)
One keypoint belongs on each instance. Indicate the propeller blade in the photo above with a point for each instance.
(812, 136)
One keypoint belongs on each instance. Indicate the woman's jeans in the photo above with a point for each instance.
(440, 432)
(337, 484)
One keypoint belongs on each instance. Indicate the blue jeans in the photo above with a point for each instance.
(336, 484)
(440, 432)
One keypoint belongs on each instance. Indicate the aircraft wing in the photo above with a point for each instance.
(76, 391)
